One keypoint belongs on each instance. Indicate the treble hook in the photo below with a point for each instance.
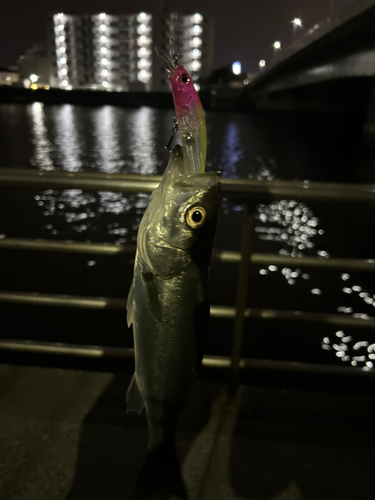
(174, 130)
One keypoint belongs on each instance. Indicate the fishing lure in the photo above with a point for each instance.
(190, 115)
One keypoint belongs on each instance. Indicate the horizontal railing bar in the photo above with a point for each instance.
(224, 312)
(219, 255)
(78, 175)
(300, 261)
(66, 246)
(92, 183)
(233, 188)
(209, 361)
(62, 300)
(65, 349)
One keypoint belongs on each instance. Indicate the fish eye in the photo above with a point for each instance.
(195, 217)
(185, 78)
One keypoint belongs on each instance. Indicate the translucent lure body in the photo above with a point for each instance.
(191, 121)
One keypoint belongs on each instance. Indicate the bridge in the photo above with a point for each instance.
(330, 67)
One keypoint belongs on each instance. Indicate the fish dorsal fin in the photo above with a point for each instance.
(134, 398)
(130, 306)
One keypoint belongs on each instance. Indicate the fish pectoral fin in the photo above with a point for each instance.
(134, 400)
(130, 306)
(151, 294)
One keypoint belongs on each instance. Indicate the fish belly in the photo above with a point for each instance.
(165, 341)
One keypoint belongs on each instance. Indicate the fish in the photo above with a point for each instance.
(167, 304)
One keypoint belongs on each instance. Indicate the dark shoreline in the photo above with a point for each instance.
(224, 99)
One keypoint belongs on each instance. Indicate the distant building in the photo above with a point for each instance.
(116, 52)
(9, 76)
(35, 63)
(193, 40)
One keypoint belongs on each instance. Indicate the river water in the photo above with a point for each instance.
(111, 139)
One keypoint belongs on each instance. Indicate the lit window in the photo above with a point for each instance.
(196, 30)
(196, 42)
(195, 65)
(144, 76)
(142, 40)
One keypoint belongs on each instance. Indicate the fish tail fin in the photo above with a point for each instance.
(160, 477)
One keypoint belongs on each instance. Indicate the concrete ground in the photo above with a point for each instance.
(65, 435)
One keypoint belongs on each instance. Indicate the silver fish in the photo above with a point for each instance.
(169, 310)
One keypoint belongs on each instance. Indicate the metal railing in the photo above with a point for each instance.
(249, 192)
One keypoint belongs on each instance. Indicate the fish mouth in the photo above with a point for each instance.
(169, 63)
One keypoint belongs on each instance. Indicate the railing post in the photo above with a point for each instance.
(241, 297)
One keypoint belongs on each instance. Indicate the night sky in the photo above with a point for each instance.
(244, 29)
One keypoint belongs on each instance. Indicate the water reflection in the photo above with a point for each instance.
(142, 141)
(355, 353)
(106, 131)
(232, 151)
(98, 213)
(70, 145)
(293, 227)
(351, 349)
(290, 223)
(41, 157)
(72, 211)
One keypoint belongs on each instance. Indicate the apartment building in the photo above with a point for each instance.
(116, 52)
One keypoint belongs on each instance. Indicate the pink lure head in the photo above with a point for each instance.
(187, 104)
(190, 115)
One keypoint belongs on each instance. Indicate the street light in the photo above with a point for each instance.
(262, 64)
(297, 21)
(236, 68)
(276, 48)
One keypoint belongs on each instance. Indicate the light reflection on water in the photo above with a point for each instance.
(142, 141)
(42, 146)
(106, 147)
(69, 142)
(353, 351)
(74, 210)
(231, 152)
(288, 227)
